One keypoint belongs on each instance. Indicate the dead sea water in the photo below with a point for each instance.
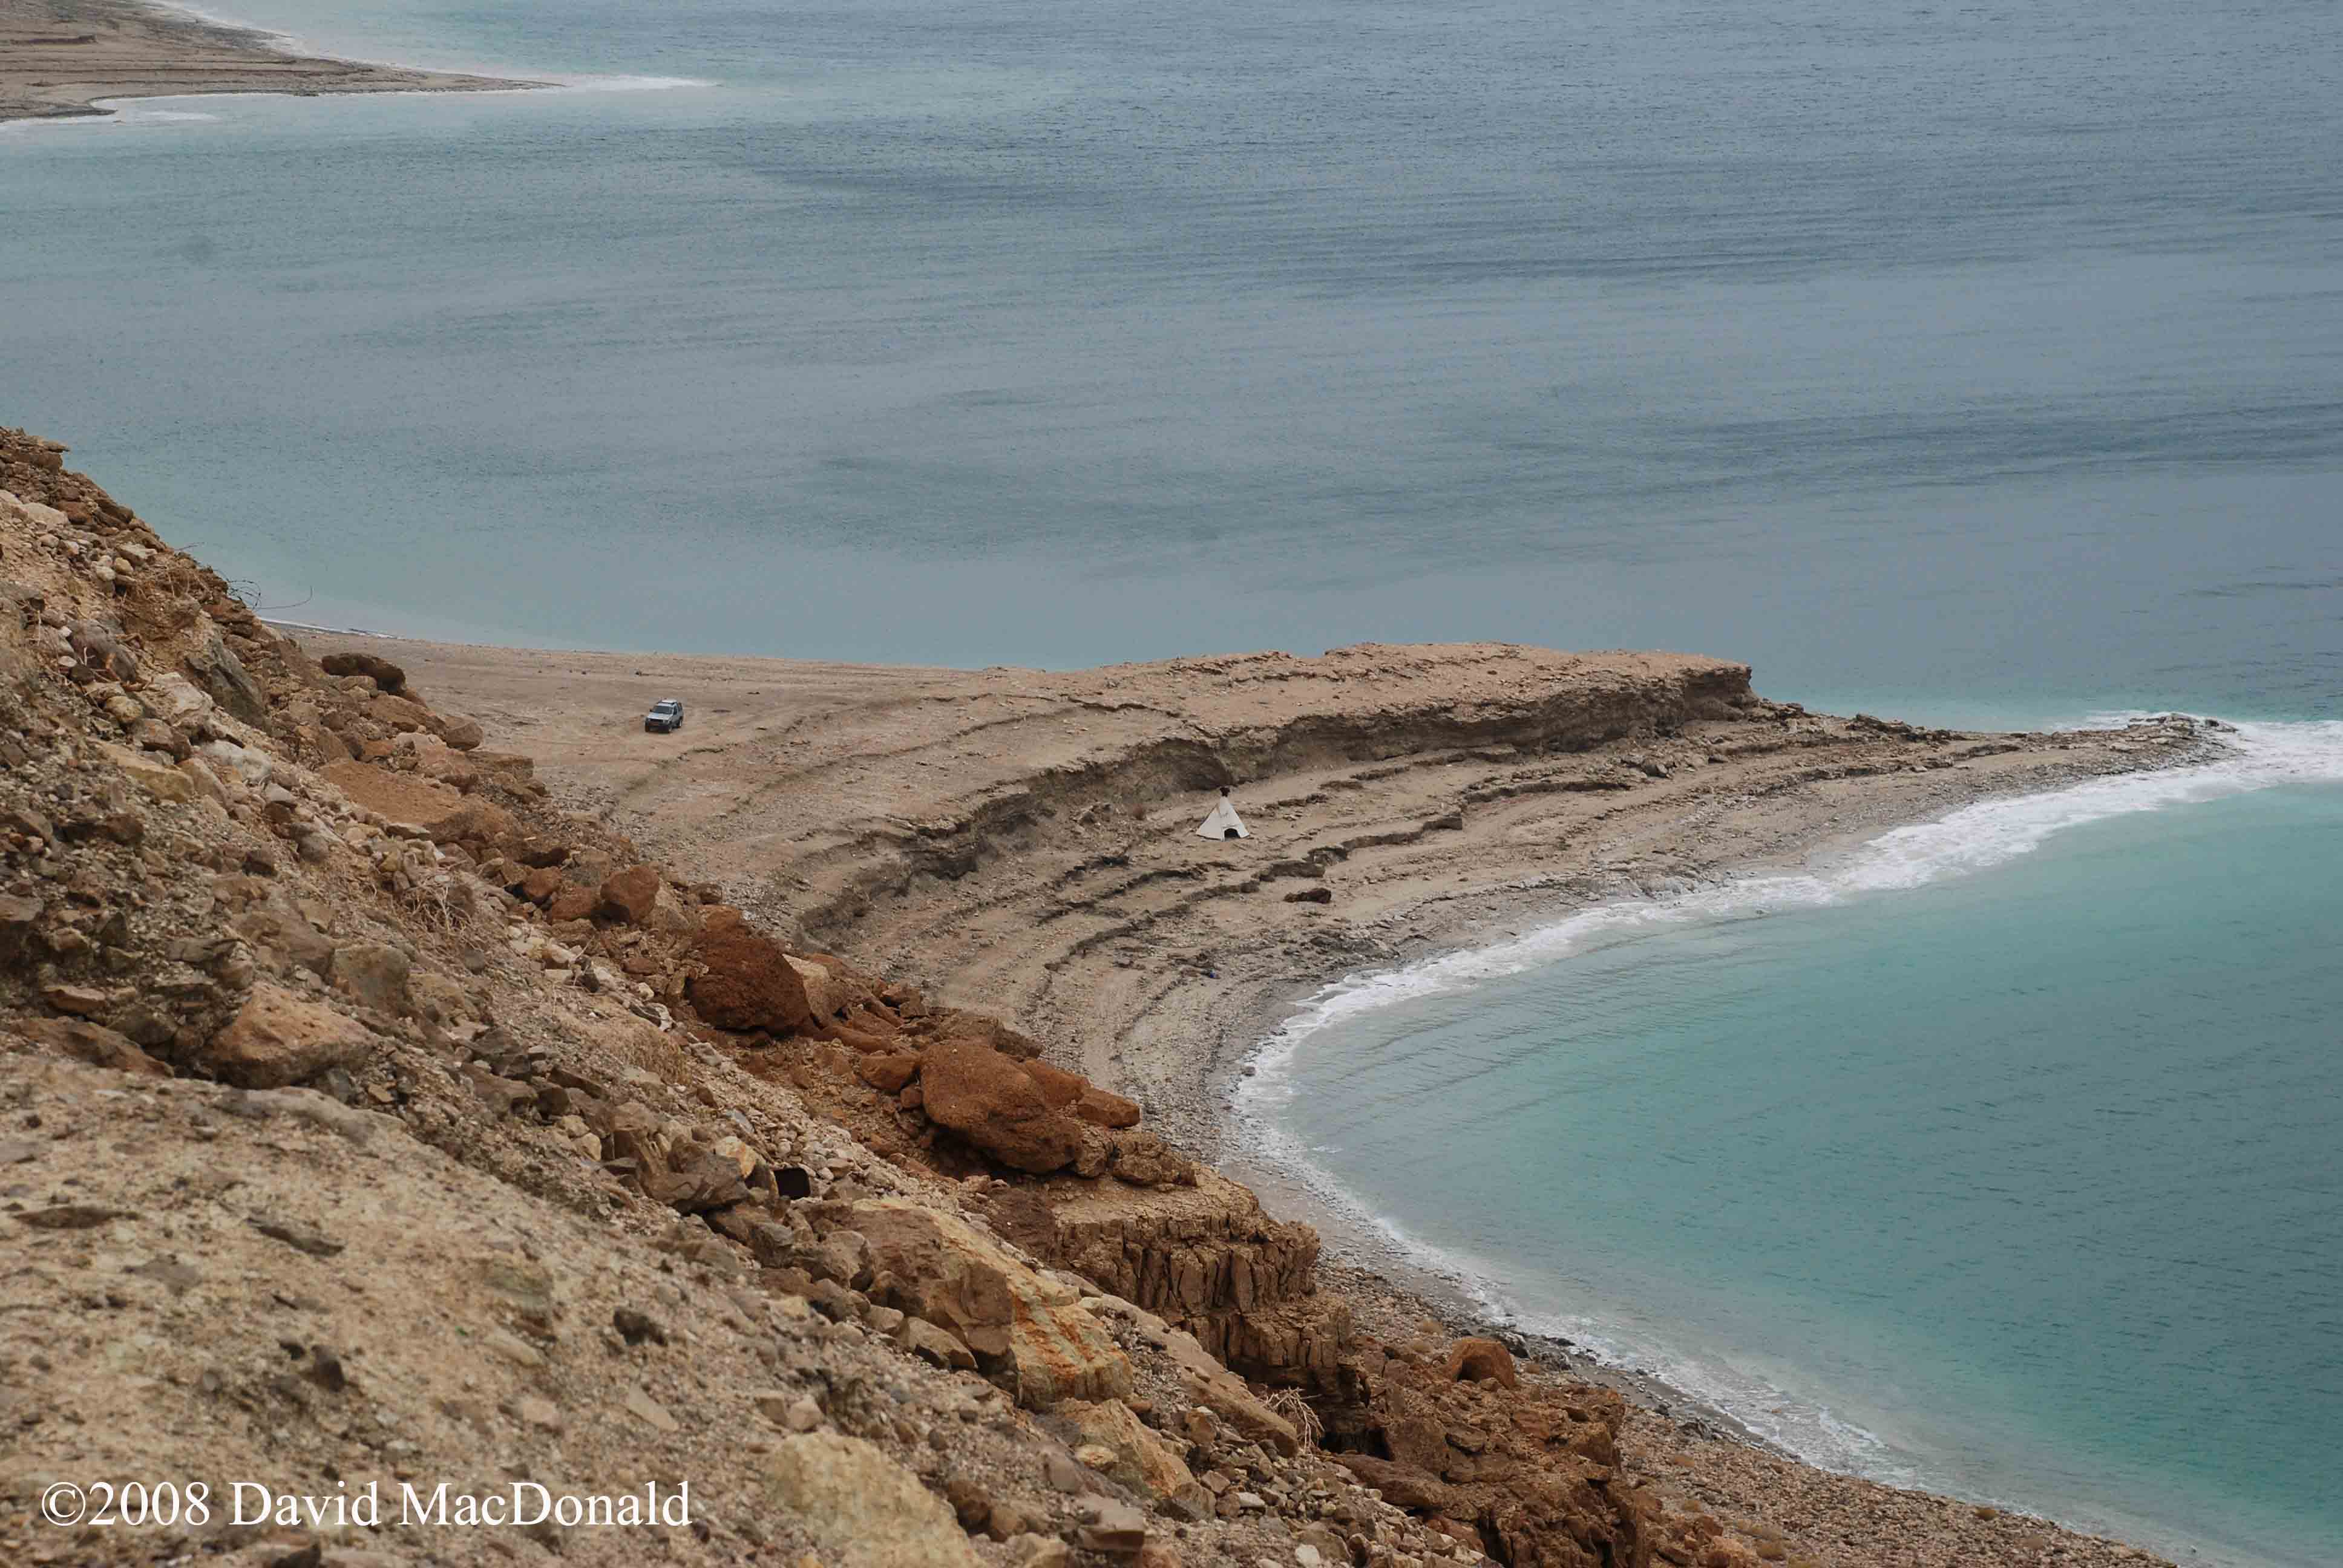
(1997, 1156)
(1976, 364)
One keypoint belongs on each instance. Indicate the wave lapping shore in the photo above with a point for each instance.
(64, 58)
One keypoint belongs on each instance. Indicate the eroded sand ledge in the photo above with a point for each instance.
(1022, 842)
(61, 59)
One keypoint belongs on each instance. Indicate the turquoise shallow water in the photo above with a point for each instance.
(1997, 1156)
(1978, 365)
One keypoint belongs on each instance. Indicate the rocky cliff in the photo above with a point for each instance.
(369, 1119)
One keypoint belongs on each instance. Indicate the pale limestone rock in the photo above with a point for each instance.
(1134, 1455)
(158, 778)
(864, 1509)
(951, 1274)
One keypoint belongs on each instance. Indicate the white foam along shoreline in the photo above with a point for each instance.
(1975, 837)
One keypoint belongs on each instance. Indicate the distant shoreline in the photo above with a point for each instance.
(64, 59)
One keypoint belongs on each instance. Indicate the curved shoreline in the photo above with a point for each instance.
(1358, 1238)
(67, 59)
(1473, 1294)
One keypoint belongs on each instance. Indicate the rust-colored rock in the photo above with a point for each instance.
(995, 1104)
(631, 895)
(1401, 1485)
(887, 1071)
(1477, 1360)
(386, 676)
(745, 981)
(570, 902)
(90, 1042)
(1206, 1258)
(1061, 1089)
(278, 1038)
(1534, 1470)
(1073, 1094)
(1101, 1109)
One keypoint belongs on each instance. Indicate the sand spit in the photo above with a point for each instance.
(1022, 842)
(62, 58)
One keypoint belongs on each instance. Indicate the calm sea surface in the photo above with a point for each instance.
(1975, 363)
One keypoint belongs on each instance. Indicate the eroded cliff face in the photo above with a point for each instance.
(1205, 1257)
(1170, 729)
(406, 1125)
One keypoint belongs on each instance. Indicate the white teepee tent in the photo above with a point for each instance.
(1224, 822)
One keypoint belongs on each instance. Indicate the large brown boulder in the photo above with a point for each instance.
(1079, 1097)
(386, 676)
(745, 981)
(1102, 1109)
(632, 894)
(1061, 1089)
(458, 732)
(995, 1104)
(278, 1038)
(1477, 1360)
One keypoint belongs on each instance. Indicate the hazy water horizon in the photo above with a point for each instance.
(1992, 356)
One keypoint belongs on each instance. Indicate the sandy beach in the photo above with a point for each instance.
(1023, 843)
(62, 58)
